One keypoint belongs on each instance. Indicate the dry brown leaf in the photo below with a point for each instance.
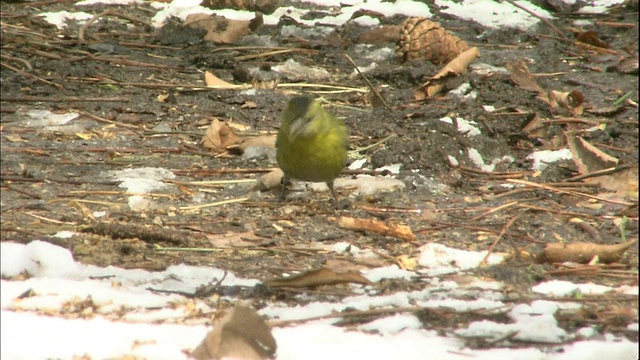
(249, 104)
(394, 230)
(269, 181)
(623, 183)
(268, 141)
(406, 262)
(15, 138)
(424, 39)
(591, 38)
(572, 101)
(317, 277)
(340, 265)
(536, 128)
(520, 75)
(221, 30)
(380, 35)
(241, 334)
(583, 253)
(219, 136)
(607, 110)
(213, 81)
(454, 68)
(587, 157)
(234, 240)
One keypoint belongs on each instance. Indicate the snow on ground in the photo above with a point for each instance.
(65, 309)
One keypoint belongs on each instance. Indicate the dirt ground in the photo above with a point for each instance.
(141, 103)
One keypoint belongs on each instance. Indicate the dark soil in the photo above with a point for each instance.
(54, 180)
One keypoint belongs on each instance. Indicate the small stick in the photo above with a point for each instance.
(368, 82)
(505, 228)
(537, 17)
(570, 192)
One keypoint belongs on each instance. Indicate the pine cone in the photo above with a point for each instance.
(421, 38)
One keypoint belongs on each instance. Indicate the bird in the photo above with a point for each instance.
(311, 144)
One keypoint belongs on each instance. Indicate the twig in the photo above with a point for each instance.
(23, 61)
(49, 220)
(57, 86)
(384, 102)
(217, 203)
(619, 25)
(24, 192)
(86, 25)
(600, 172)
(273, 52)
(537, 17)
(580, 44)
(133, 128)
(354, 313)
(496, 209)
(505, 228)
(63, 99)
(61, 181)
(570, 192)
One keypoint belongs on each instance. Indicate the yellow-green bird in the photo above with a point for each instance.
(311, 144)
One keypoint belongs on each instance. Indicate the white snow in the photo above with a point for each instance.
(123, 317)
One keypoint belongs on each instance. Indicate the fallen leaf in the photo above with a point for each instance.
(454, 68)
(317, 277)
(536, 127)
(219, 136)
(213, 81)
(587, 157)
(583, 253)
(268, 141)
(269, 181)
(221, 30)
(394, 230)
(591, 38)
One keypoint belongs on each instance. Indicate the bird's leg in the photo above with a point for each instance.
(333, 192)
(285, 180)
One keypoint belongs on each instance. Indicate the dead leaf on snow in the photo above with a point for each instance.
(241, 334)
(405, 262)
(221, 30)
(317, 277)
(219, 136)
(354, 265)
